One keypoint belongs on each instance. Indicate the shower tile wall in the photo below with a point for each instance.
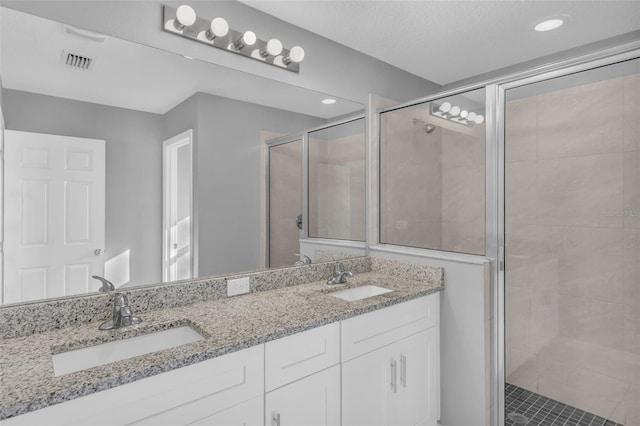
(337, 187)
(411, 181)
(432, 184)
(573, 260)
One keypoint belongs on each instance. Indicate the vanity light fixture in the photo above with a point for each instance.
(218, 28)
(183, 21)
(296, 55)
(248, 39)
(273, 48)
(329, 101)
(185, 17)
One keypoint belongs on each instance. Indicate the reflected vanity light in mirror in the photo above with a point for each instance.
(131, 107)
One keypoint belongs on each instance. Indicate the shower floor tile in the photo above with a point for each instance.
(542, 411)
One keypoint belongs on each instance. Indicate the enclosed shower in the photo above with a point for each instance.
(572, 241)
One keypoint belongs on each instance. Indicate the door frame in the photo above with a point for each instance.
(182, 139)
(295, 137)
(496, 175)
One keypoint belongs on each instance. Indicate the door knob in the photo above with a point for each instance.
(97, 252)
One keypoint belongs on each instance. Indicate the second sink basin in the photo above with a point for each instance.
(117, 350)
(359, 293)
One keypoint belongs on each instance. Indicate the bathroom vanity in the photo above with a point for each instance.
(288, 356)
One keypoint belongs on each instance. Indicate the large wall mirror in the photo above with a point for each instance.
(141, 165)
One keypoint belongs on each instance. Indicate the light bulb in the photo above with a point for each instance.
(185, 17)
(454, 111)
(218, 28)
(296, 54)
(273, 48)
(549, 24)
(329, 101)
(247, 39)
(445, 107)
(479, 119)
(464, 113)
(471, 116)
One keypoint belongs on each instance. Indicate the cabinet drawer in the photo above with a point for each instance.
(300, 355)
(312, 401)
(368, 332)
(222, 382)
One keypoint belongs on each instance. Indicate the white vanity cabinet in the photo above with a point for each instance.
(178, 397)
(376, 369)
(390, 372)
(302, 378)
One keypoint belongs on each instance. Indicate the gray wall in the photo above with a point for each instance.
(134, 168)
(229, 191)
(227, 172)
(328, 67)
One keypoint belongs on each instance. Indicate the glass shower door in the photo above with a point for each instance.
(285, 202)
(572, 238)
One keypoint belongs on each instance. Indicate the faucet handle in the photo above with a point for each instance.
(337, 268)
(121, 300)
(107, 286)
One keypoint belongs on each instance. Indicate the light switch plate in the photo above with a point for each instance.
(238, 286)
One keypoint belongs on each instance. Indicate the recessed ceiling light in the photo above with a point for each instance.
(549, 24)
(329, 101)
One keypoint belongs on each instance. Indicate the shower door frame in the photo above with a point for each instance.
(496, 182)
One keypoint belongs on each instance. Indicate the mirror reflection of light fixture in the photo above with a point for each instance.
(185, 17)
(183, 21)
(456, 114)
(273, 48)
(296, 55)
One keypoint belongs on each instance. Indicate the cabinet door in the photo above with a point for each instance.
(367, 385)
(246, 414)
(415, 402)
(314, 400)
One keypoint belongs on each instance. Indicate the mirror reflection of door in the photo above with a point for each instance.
(54, 220)
(177, 220)
(285, 202)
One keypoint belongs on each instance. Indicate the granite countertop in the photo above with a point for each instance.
(27, 380)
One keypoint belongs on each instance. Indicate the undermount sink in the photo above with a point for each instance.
(117, 350)
(359, 293)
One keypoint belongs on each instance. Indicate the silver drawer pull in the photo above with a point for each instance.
(394, 384)
(403, 370)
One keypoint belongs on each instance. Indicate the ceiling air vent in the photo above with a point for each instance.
(79, 62)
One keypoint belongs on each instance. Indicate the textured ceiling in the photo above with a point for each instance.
(447, 41)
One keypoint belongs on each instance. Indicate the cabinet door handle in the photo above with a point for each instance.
(394, 384)
(403, 370)
(276, 419)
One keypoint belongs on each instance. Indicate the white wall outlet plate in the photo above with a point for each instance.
(237, 286)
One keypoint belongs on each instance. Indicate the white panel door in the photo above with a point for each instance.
(178, 262)
(54, 225)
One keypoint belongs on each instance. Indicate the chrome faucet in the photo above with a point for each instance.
(122, 315)
(304, 259)
(339, 276)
